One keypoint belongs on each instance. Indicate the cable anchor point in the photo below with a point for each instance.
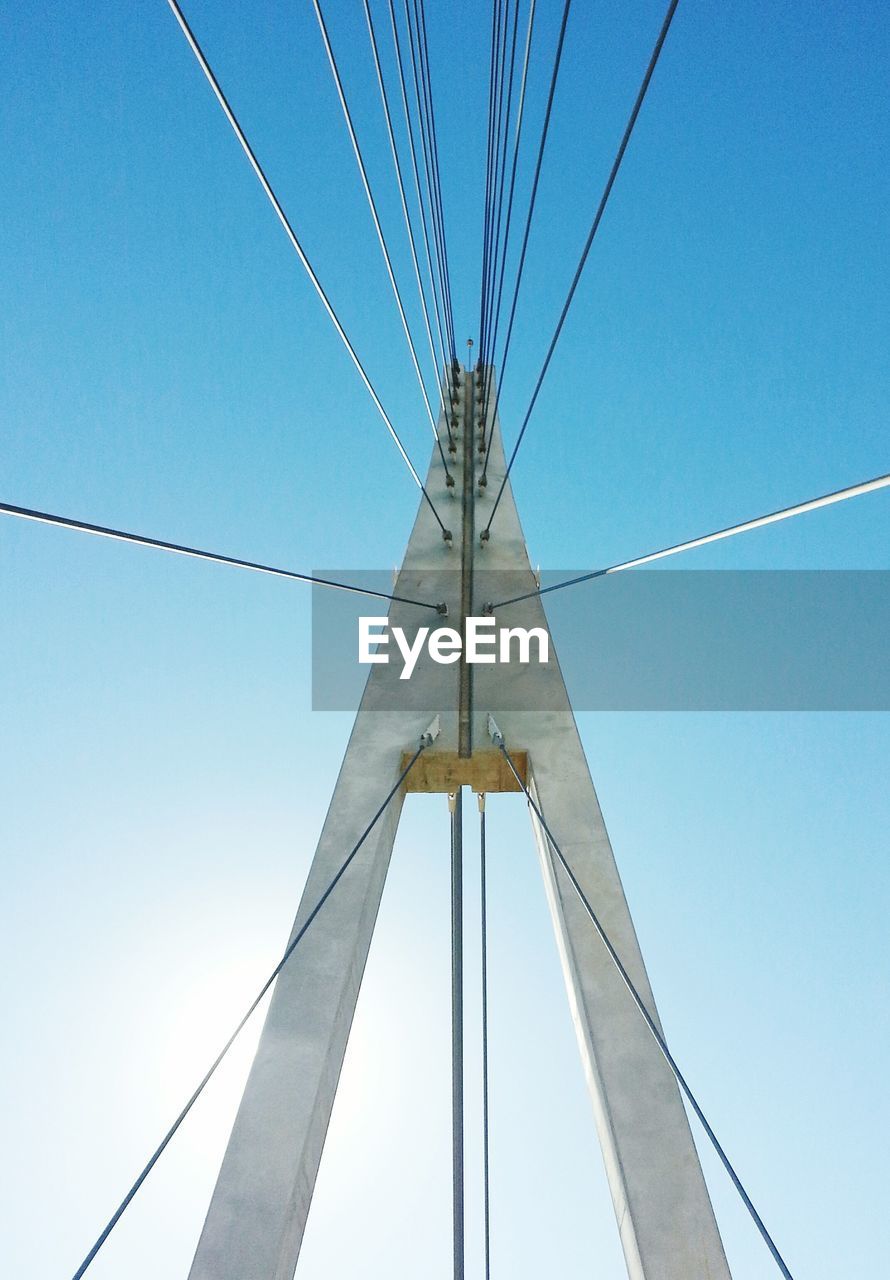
(430, 733)
(494, 732)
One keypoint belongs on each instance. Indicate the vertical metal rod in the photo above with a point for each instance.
(465, 673)
(485, 1161)
(457, 1031)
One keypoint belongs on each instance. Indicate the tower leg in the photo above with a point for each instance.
(667, 1225)
(665, 1219)
(257, 1216)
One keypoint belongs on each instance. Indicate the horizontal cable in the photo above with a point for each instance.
(812, 504)
(601, 208)
(291, 235)
(65, 522)
(292, 946)
(648, 1019)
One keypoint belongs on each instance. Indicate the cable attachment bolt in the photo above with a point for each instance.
(449, 481)
(442, 609)
(488, 609)
(484, 536)
(447, 537)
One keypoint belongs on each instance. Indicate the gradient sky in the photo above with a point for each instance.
(168, 369)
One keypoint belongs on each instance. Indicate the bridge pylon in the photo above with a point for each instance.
(259, 1208)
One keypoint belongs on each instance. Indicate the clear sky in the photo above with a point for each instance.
(168, 369)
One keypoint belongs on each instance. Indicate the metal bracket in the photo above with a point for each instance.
(493, 731)
(430, 733)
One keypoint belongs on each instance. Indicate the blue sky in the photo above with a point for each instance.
(167, 368)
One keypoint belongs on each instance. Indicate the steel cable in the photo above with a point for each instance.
(338, 82)
(520, 111)
(384, 97)
(119, 535)
(528, 221)
(438, 309)
(310, 271)
(291, 948)
(758, 522)
(646, 1015)
(610, 182)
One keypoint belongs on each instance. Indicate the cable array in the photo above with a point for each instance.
(384, 97)
(500, 104)
(438, 302)
(488, 358)
(291, 235)
(415, 20)
(545, 128)
(335, 71)
(597, 218)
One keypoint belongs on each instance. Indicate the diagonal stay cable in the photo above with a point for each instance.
(758, 522)
(425, 741)
(415, 170)
(520, 111)
(81, 526)
(494, 88)
(498, 740)
(426, 112)
(384, 98)
(488, 157)
(528, 222)
(507, 108)
(499, 266)
(419, 97)
(353, 137)
(493, 316)
(291, 235)
(434, 141)
(597, 219)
